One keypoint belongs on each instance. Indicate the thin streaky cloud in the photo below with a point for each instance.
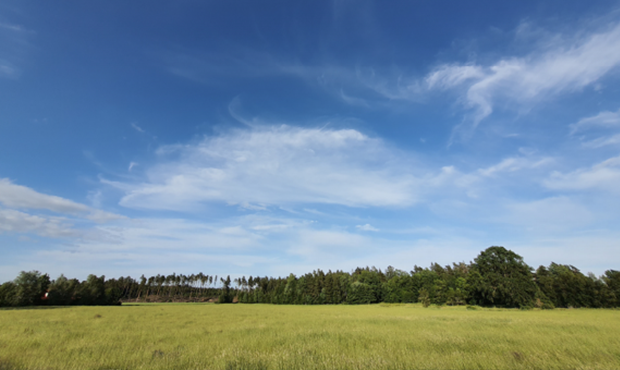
(605, 119)
(566, 67)
(276, 166)
(449, 76)
(7, 70)
(18, 196)
(602, 141)
(601, 176)
(137, 128)
(366, 227)
(513, 164)
(22, 197)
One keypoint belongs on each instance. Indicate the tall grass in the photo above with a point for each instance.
(208, 336)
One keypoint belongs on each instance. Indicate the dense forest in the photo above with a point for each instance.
(497, 277)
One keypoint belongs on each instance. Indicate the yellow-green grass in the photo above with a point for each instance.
(209, 336)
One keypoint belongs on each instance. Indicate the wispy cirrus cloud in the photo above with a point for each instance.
(449, 76)
(604, 119)
(279, 165)
(7, 69)
(602, 141)
(366, 227)
(137, 128)
(601, 176)
(265, 166)
(352, 84)
(22, 197)
(556, 64)
(14, 46)
(562, 65)
(238, 246)
(18, 196)
(523, 169)
(514, 164)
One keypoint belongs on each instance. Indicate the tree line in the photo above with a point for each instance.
(497, 277)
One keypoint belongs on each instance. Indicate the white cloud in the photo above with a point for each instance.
(352, 100)
(249, 245)
(156, 246)
(395, 87)
(14, 49)
(602, 176)
(137, 128)
(603, 141)
(451, 183)
(449, 76)
(18, 196)
(353, 85)
(565, 66)
(12, 27)
(514, 164)
(20, 222)
(366, 227)
(7, 70)
(557, 64)
(268, 166)
(603, 119)
(240, 245)
(182, 235)
(95, 197)
(100, 216)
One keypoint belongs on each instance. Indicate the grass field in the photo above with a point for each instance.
(209, 336)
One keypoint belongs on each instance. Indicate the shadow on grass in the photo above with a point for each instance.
(31, 308)
(245, 363)
(159, 304)
(77, 305)
(8, 365)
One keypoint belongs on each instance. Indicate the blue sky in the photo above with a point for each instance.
(262, 138)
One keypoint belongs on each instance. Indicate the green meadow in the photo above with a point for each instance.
(211, 336)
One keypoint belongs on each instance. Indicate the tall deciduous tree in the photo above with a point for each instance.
(504, 279)
(31, 288)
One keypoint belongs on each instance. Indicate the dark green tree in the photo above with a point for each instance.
(8, 294)
(424, 297)
(612, 280)
(290, 289)
(504, 279)
(225, 295)
(361, 293)
(62, 291)
(31, 288)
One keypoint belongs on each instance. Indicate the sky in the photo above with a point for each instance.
(276, 137)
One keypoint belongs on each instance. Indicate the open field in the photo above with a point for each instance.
(209, 336)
